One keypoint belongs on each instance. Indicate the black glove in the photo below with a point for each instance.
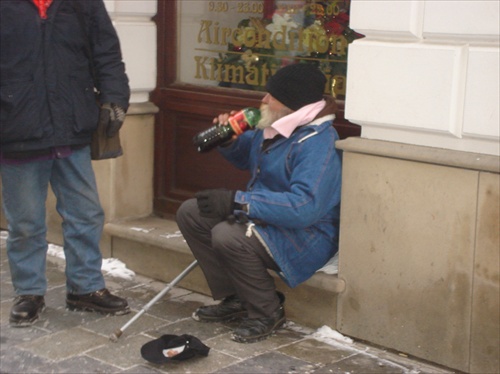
(215, 203)
(238, 218)
(115, 116)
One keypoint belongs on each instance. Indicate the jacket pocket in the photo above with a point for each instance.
(19, 112)
(85, 106)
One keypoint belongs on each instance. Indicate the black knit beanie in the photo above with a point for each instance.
(297, 85)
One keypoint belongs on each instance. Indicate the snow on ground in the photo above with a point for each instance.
(334, 338)
(328, 335)
(110, 266)
(325, 334)
(332, 266)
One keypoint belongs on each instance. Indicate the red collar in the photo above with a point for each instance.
(42, 6)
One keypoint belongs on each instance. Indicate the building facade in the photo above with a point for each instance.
(419, 246)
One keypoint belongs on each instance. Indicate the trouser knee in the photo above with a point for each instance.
(227, 238)
(185, 213)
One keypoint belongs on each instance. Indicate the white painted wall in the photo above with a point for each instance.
(137, 32)
(427, 73)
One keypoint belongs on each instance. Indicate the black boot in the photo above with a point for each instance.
(26, 310)
(99, 301)
(252, 330)
(229, 308)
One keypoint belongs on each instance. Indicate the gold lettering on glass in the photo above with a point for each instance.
(239, 44)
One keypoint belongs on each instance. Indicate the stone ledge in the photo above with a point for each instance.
(437, 156)
(142, 108)
(154, 247)
(165, 234)
(149, 230)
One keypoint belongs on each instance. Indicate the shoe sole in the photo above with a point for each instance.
(258, 338)
(231, 317)
(93, 308)
(26, 323)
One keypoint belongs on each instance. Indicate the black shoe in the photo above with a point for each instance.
(26, 310)
(101, 301)
(229, 308)
(253, 330)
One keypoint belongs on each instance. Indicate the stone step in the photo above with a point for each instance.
(154, 247)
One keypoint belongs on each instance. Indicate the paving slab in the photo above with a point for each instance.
(83, 363)
(270, 362)
(64, 344)
(15, 360)
(123, 354)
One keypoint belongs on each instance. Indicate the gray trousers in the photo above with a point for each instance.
(231, 262)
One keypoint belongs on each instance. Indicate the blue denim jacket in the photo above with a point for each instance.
(295, 189)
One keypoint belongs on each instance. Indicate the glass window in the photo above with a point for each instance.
(239, 44)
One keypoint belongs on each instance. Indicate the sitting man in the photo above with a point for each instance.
(287, 220)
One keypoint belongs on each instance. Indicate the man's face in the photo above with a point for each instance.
(271, 110)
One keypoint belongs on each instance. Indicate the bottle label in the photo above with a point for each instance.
(239, 122)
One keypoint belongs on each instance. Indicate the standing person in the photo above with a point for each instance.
(287, 220)
(48, 113)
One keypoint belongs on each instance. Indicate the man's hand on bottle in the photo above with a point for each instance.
(114, 115)
(223, 118)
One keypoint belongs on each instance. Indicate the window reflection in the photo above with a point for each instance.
(239, 44)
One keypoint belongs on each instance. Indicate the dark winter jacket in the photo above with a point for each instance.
(47, 94)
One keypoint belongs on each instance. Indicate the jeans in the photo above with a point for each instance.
(24, 192)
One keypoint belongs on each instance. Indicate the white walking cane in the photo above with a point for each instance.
(114, 336)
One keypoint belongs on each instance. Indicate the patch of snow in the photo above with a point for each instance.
(55, 251)
(176, 234)
(110, 266)
(142, 229)
(332, 266)
(327, 335)
(298, 328)
(116, 268)
(334, 338)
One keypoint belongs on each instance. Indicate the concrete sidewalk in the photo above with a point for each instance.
(78, 342)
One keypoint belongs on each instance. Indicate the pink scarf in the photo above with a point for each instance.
(287, 124)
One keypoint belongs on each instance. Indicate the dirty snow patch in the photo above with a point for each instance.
(176, 234)
(110, 266)
(55, 251)
(141, 229)
(116, 268)
(328, 335)
(332, 337)
(332, 266)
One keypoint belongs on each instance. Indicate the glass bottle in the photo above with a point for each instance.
(240, 122)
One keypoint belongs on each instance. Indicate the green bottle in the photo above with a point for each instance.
(245, 119)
